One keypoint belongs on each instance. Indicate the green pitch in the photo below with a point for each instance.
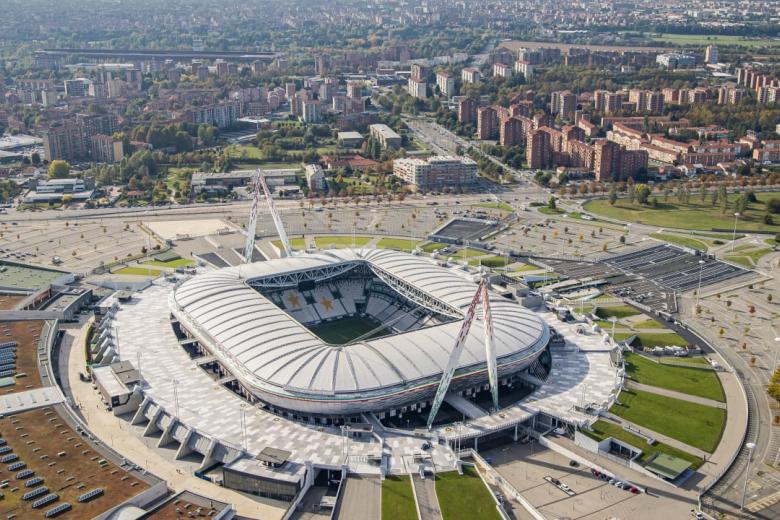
(343, 331)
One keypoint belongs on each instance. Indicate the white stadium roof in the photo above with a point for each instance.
(272, 351)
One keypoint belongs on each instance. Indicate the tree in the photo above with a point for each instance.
(773, 206)
(35, 158)
(59, 169)
(551, 203)
(642, 193)
(774, 385)
(612, 197)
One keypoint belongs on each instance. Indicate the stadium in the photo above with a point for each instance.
(324, 337)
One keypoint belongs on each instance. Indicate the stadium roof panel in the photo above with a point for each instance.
(270, 350)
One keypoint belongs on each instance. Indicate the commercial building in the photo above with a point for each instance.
(76, 87)
(675, 60)
(436, 172)
(350, 139)
(386, 136)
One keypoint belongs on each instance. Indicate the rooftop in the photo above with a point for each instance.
(27, 277)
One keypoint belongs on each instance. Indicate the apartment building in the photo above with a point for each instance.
(436, 172)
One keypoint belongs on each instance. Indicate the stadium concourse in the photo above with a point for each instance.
(209, 401)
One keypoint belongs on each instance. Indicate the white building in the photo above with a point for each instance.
(711, 55)
(311, 112)
(525, 68)
(417, 88)
(502, 70)
(386, 136)
(436, 172)
(315, 177)
(675, 60)
(470, 75)
(446, 83)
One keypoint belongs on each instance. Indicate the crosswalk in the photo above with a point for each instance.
(763, 503)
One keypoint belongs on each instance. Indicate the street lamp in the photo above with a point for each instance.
(176, 397)
(777, 346)
(698, 291)
(750, 446)
(613, 319)
(734, 238)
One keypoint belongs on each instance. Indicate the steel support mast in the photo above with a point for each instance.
(490, 348)
(275, 215)
(452, 363)
(251, 227)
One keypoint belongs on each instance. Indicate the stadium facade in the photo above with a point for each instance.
(331, 335)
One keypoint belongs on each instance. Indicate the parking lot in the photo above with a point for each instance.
(525, 467)
(676, 269)
(79, 245)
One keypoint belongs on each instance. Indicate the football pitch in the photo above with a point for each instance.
(343, 331)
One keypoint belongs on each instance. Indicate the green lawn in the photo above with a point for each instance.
(469, 253)
(619, 311)
(719, 236)
(496, 205)
(345, 330)
(681, 241)
(700, 40)
(693, 361)
(648, 324)
(653, 339)
(691, 381)
(141, 271)
(398, 499)
(696, 215)
(179, 262)
(465, 497)
(603, 429)
(749, 256)
(402, 244)
(430, 247)
(607, 325)
(550, 211)
(519, 268)
(490, 261)
(694, 424)
(341, 241)
(295, 243)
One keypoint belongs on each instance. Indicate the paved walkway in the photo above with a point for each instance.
(676, 395)
(647, 432)
(427, 500)
(121, 438)
(361, 499)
